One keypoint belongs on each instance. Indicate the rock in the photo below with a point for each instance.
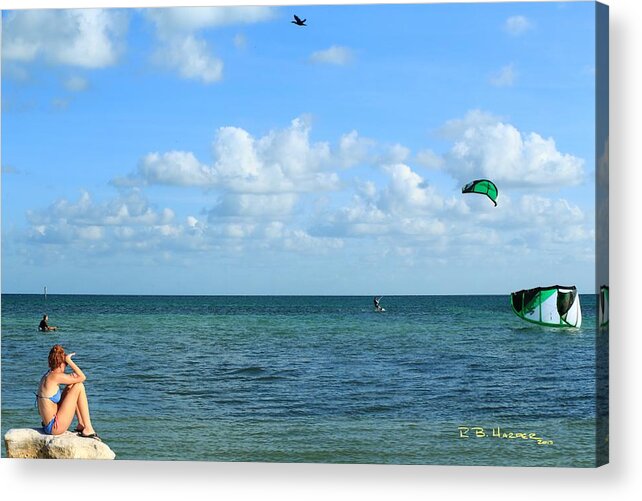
(32, 443)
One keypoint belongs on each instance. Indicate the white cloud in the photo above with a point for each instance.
(336, 55)
(274, 230)
(128, 223)
(281, 161)
(539, 222)
(191, 57)
(517, 25)
(175, 168)
(261, 190)
(124, 223)
(91, 232)
(354, 149)
(541, 212)
(255, 206)
(88, 38)
(457, 127)
(406, 205)
(505, 77)
(407, 193)
(429, 159)
(179, 47)
(128, 209)
(238, 230)
(408, 213)
(486, 147)
(394, 154)
(185, 20)
(301, 241)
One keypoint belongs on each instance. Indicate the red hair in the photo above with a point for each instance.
(56, 356)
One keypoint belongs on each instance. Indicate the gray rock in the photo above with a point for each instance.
(32, 443)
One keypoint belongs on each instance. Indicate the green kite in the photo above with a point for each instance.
(483, 187)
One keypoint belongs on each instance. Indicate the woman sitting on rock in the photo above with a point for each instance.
(57, 409)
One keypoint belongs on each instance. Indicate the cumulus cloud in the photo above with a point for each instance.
(179, 47)
(191, 57)
(517, 25)
(176, 168)
(87, 38)
(281, 161)
(255, 206)
(505, 77)
(486, 147)
(407, 192)
(354, 149)
(420, 221)
(128, 209)
(266, 193)
(394, 154)
(336, 55)
(302, 241)
(540, 211)
(406, 204)
(429, 159)
(126, 222)
(129, 223)
(169, 21)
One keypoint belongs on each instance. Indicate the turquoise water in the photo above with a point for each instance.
(313, 379)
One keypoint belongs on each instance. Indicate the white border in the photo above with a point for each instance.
(88, 481)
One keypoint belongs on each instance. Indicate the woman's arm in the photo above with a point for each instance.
(77, 377)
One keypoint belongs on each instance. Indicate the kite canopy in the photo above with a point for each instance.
(483, 187)
(554, 306)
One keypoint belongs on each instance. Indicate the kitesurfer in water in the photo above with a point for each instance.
(44, 325)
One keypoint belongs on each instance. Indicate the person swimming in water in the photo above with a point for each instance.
(58, 408)
(44, 325)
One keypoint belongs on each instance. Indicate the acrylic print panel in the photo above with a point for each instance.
(307, 233)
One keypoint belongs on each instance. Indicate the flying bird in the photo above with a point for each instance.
(298, 21)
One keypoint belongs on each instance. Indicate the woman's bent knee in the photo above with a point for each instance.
(76, 387)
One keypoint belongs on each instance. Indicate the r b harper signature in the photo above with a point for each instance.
(478, 432)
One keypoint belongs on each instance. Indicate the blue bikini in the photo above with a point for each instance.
(55, 398)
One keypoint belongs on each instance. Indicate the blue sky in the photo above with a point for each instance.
(228, 151)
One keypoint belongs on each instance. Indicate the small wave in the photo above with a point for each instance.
(378, 408)
(269, 378)
(253, 370)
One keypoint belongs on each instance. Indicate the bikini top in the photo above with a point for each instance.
(55, 398)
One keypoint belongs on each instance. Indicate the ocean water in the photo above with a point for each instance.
(433, 380)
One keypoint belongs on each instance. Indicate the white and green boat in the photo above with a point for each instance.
(554, 306)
